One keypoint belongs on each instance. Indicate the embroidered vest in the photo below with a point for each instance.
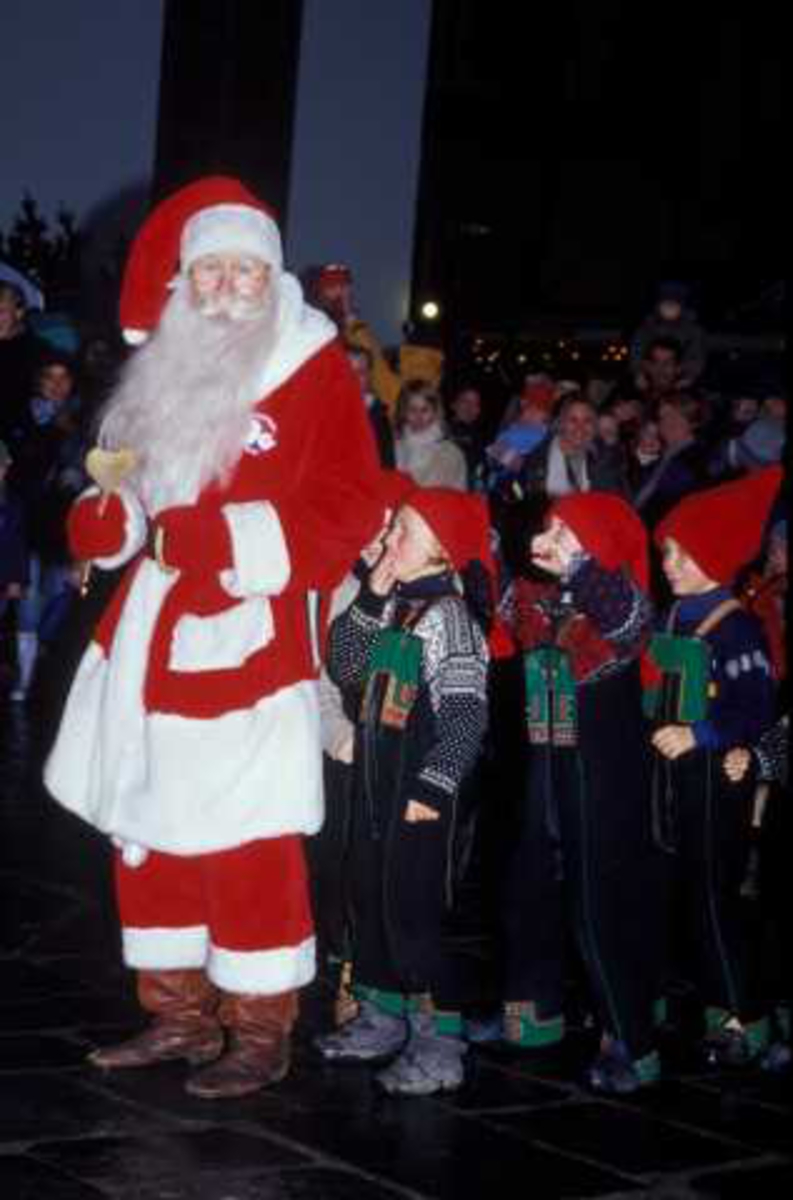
(685, 689)
(550, 697)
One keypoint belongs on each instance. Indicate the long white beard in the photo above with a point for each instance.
(184, 400)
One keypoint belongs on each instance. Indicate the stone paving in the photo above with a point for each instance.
(521, 1126)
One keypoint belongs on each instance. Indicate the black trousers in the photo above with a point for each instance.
(705, 872)
(402, 904)
(584, 862)
(328, 854)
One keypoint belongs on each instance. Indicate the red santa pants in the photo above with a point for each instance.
(243, 915)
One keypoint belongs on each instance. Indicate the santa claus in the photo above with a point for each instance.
(191, 732)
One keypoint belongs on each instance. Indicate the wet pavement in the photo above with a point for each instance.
(521, 1126)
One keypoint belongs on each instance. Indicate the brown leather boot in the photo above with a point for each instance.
(185, 1023)
(259, 1048)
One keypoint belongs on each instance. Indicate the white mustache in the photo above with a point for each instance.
(235, 308)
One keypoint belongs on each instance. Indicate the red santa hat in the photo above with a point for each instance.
(609, 530)
(461, 523)
(722, 528)
(213, 215)
(333, 273)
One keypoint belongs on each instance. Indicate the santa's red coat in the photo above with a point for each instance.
(192, 724)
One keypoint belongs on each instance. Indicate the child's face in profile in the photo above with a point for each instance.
(553, 549)
(684, 576)
(412, 547)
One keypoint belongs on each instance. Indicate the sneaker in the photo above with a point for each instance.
(370, 1035)
(735, 1044)
(430, 1062)
(614, 1072)
(777, 1058)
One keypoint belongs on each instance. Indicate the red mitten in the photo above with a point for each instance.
(95, 527)
(193, 539)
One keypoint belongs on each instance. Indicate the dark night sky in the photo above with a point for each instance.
(78, 101)
(573, 152)
(578, 151)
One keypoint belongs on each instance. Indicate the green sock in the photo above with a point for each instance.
(392, 1003)
(524, 1027)
(758, 1035)
(449, 1024)
(715, 1018)
(648, 1067)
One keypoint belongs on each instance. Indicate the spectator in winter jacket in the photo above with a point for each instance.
(670, 321)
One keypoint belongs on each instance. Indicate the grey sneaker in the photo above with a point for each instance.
(372, 1034)
(777, 1058)
(614, 1072)
(430, 1062)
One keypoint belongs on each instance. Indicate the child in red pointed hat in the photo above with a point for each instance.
(414, 646)
(583, 843)
(716, 692)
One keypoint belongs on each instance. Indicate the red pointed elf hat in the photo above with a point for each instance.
(722, 528)
(461, 523)
(609, 530)
(212, 215)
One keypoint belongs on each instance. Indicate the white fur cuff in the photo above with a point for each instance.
(260, 555)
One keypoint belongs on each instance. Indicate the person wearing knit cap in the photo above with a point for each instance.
(232, 475)
(715, 691)
(332, 290)
(413, 650)
(583, 840)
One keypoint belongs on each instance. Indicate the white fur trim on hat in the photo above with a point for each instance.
(134, 337)
(231, 228)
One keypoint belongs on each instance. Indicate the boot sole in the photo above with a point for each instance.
(351, 1059)
(95, 1058)
(194, 1088)
(421, 1090)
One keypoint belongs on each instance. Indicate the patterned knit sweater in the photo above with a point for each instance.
(451, 704)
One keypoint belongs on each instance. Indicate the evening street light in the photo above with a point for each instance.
(430, 310)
